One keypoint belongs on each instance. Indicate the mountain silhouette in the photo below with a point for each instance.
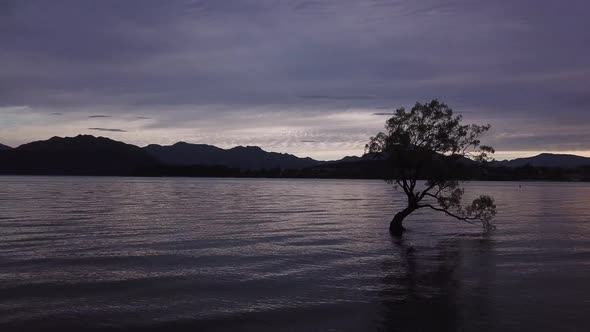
(80, 155)
(242, 157)
(90, 155)
(547, 160)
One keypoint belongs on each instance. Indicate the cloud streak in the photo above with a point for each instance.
(113, 130)
(344, 97)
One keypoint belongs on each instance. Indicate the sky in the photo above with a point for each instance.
(312, 78)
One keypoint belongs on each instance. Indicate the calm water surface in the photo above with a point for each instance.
(285, 255)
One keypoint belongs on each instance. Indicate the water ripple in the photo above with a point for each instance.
(302, 255)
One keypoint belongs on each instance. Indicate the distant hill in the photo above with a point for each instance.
(348, 159)
(89, 155)
(80, 155)
(248, 157)
(547, 160)
(4, 147)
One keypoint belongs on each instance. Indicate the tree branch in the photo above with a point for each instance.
(466, 219)
(426, 191)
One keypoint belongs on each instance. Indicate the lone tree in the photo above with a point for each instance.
(430, 143)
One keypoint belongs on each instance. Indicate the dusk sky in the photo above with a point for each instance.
(312, 78)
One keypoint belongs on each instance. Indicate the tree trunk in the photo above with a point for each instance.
(395, 227)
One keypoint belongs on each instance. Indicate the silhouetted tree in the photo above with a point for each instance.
(430, 143)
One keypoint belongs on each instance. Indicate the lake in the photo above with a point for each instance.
(204, 254)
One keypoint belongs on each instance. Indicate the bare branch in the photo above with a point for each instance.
(467, 219)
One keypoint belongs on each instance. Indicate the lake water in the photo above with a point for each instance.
(182, 254)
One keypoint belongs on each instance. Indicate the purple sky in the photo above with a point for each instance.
(304, 77)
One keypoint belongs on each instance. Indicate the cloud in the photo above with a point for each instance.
(57, 113)
(109, 129)
(344, 97)
(99, 116)
(383, 113)
(190, 63)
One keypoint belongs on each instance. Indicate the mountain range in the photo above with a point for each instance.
(80, 155)
(86, 154)
(242, 157)
(547, 160)
(89, 155)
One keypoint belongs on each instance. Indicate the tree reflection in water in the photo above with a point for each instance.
(445, 288)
